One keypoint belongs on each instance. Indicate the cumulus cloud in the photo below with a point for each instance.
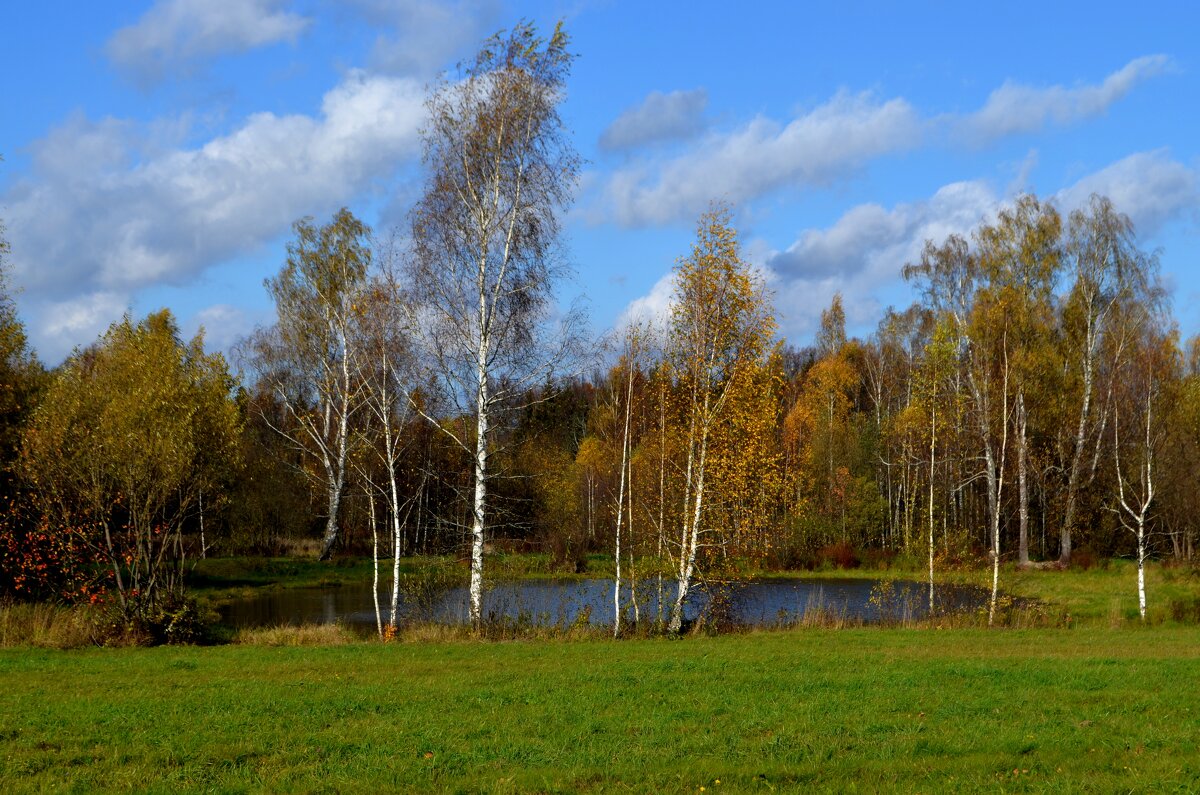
(763, 155)
(1014, 108)
(816, 148)
(104, 212)
(659, 117)
(174, 33)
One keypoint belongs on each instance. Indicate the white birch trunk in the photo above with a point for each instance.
(481, 432)
(691, 539)
(375, 564)
(396, 529)
(932, 463)
(1141, 563)
(1074, 472)
(621, 503)
(1022, 480)
(339, 480)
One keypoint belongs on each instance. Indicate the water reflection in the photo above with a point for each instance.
(566, 602)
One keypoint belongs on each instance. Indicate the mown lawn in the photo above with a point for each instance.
(1092, 709)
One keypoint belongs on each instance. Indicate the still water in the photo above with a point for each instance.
(565, 602)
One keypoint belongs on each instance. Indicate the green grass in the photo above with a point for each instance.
(1107, 594)
(1053, 710)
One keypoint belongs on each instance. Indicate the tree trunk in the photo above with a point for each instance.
(932, 461)
(621, 507)
(331, 527)
(687, 557)
(375, 563)
(1141, 553)
(1022, 480)
(481, 453)
(1064, 555)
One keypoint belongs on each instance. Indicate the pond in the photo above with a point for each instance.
(563, 602)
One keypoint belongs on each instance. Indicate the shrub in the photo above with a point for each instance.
(881, 559)
(1084, 558)
(1185, 610)
(840, 555)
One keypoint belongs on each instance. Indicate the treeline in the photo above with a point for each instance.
(424, 394)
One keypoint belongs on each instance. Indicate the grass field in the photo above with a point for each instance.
(1064, 710)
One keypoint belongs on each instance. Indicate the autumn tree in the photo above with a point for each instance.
(1107, 269)
(957, 288)
(720, 334)
(1180, 504)
(934, 396)
(133, 430)
(21, 376)
(1020, 256)
(500, 171)
(307, 360)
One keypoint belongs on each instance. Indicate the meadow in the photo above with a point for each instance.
(1066, 710)
(1092, 700)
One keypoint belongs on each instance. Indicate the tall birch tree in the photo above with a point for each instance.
(721, 327)
(500, 171)
(1107, 269)
(308, 360)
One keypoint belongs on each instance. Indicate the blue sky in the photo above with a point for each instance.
(157, 152)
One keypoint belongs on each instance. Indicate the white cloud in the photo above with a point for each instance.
(223, 326)
(421, 37)
(1014, 108)
(653, 309)
(63, 325)
(177, 32)
(1149, 187)
(105, 212)
(659, 117)
(825, 144)
(861, 254)
(763, 155)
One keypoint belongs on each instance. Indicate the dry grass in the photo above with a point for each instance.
(52, 626)
(297, 635)
(299, 548)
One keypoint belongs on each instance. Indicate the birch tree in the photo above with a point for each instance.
(630, 361)
(1107, 269)
(380, 336)
(485, 233)
(956, 288)
(931, 385)
(721, 327)
(1146, 367)
(308, 360)
(1020, 255)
